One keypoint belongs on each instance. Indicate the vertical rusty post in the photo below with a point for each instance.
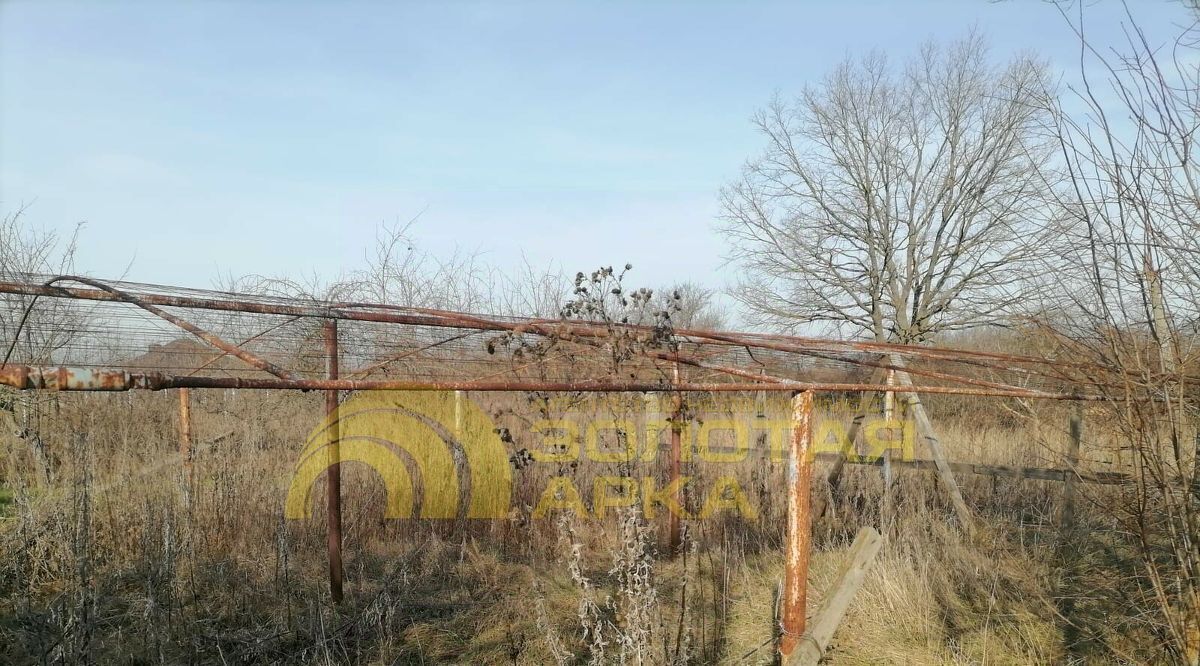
(799, 527)
(675, 538)
(185, 433)
(333, 513)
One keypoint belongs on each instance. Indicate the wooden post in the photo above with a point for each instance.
(1067, 518)
(833, 606)
(459, 397)
(185, 435)
(834, 476)
(675, 538)
(760, 400)
(925, 429)
(885, 518)
(333, 513)
(799, 527)
(185, 446)
(1158, 314)
(1066, 528)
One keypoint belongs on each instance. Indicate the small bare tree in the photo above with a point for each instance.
(45, 326)
(1131, 272)
(34, 331)
(898, 204)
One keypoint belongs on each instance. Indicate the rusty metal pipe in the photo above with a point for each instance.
(762, 376)
(798, 535)
(331, 311)
(444, 318)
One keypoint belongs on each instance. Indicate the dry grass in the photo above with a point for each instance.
(111, 560)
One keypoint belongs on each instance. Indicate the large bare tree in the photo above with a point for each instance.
(895, 202)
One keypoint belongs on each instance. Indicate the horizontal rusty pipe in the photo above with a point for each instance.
(593, 334)
(555, 327)
(936, 353)
(815, 346)
(235, 305)
(760, 376)
(102, 379)
(749, 374)
(791, 344)
(761, 340)
(25, 377)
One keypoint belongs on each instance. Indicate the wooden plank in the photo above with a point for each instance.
(833, 606)
(925, 429)
(1034, 473)
(185, 444)
(833, 475)
(185, 431)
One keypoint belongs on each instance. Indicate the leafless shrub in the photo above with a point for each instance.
(1130, 266)
(32, 330)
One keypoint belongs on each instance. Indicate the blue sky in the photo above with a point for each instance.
(271, 137)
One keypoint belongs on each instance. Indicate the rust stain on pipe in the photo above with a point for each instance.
(799, 526)
(25, 377)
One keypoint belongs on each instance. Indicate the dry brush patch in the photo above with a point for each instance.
(113, 557)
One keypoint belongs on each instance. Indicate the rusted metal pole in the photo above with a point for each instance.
(185, 432)
(799, 527)
(333, 513)
(675, 536)
(446, 318)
